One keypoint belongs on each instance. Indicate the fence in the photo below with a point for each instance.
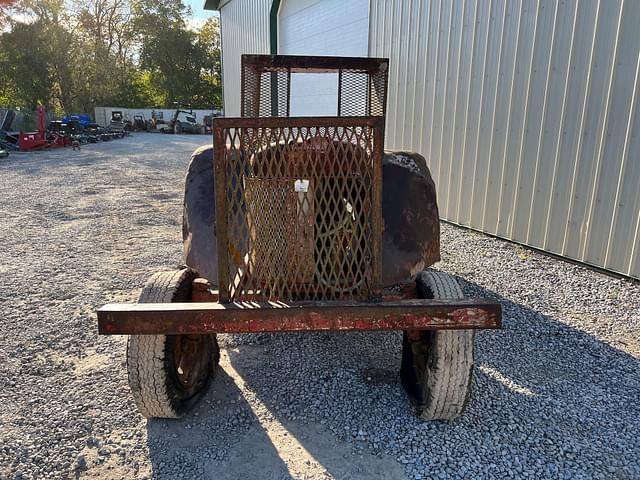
(25, 120)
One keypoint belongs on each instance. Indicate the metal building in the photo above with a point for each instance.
(526, 110)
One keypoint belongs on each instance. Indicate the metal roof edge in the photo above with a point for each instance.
(215, 4)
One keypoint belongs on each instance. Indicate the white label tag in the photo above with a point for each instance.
(301, 186)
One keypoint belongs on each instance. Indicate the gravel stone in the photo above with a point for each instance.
(555, 391)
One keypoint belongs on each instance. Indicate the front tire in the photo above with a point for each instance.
(169, 374)
(437, 365)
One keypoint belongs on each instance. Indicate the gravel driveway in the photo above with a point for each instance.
(556, 391)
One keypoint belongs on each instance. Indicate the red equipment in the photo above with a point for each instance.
(40, 140)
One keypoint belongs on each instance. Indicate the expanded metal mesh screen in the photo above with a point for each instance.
(298, 200)
(298, 207)
(266, 84)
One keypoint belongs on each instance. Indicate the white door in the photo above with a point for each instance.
(321, 27)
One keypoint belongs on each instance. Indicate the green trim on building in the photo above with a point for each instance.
(273, 49)
(273, 27)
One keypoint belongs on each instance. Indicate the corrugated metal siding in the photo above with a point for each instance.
(244, 28)
(527, 112)
(321, 27)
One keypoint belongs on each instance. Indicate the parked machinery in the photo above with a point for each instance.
(156, 121)
(139, 122)
(98, 132)
(58, 133)
(79, 119)
(303, 224)
(182, 121)
(208, 122)
(8, 139)
(119, 125)
(42, 138)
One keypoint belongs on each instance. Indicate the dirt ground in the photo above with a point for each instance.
(555, 391)
(87, 228)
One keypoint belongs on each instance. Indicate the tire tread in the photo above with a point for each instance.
(146, 362)
(446, 373)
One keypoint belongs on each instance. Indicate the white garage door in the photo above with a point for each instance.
(321, 27)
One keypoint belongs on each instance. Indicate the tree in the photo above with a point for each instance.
(165, 44)
(211, 71)
(151, 17)
(184, 64)
(73, 55)
(104, 31)
(37, 55)
(26, 74)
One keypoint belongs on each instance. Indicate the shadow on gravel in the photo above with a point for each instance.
(547, 398)
(549, 353)
(192, 446)
(545, 395)
(223, 439)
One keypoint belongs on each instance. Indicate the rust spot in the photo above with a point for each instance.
(246, 317)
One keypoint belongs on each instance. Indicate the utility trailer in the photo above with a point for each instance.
(313, 227)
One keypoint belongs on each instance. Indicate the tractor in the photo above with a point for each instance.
(301, 224)
(182, 121)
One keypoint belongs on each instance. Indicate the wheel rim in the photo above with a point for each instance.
(190, 362)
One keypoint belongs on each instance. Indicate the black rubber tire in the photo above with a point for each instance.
(437, 369)
(154, 378)
(177, 128)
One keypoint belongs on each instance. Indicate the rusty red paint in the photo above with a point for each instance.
(201, 291)
(315, 64)
(414, 335)
(247, 317)
(405, 291)
(260, 219)
(280, 243)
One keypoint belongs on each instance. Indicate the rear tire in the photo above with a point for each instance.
(169, 374)
(437, 366)
(177, 128)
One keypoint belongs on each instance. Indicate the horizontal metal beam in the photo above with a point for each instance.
(315, 64)
(221, 123)
(248, 317)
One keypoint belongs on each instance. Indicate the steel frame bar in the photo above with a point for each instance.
(248, 317)
(314, 64)
(221, 123)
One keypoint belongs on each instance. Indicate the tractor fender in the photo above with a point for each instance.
(411, 237)
(199, 216)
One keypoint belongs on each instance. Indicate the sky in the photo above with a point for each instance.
(199, 13)
(198, 17)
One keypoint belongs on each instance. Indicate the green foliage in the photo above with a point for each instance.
(26, 71)
(180, 63)
(210, 74)
(72, 57)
